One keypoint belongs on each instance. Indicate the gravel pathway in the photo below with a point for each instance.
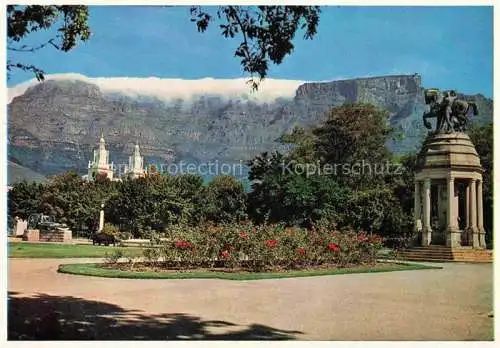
(447, 304)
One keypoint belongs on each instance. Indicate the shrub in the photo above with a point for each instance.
(111, 230)
(264, 247)
(113, 257)
(125, 235)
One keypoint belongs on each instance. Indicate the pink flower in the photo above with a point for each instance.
(225, 254)
(243, 235)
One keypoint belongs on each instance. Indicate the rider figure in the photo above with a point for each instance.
(448, 99)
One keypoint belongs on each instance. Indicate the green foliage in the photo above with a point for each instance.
(71, 23)
(61, 198)
(354, 134)
(279, 195)
(377, 210)
(266, 32)
(284, 190)
(24, 199)
(223, 200)
(482, 138)
(110, 229)
(146, 204)
(112, 257)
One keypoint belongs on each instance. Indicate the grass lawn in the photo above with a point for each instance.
(92, 269)
(39, 250)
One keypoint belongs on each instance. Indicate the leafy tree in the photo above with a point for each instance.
(280, 193)
(354, 136)
(267, 177)
(93, 194)
(148, 204)
(223, 200)
(303, 143)
(376, 211)
(266, 32)
(62, 198)
(70, 21)
(24, 199)
(482, 138)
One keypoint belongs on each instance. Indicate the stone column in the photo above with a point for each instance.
(480, 226)
(417, 203)
(427, 231)
(453, 234)
(467, 205)
(473, 214)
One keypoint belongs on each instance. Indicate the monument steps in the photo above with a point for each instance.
(436, 253)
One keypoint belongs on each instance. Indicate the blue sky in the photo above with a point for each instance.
(451, 47)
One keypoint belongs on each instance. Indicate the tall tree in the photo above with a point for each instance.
(24, 199)
(266, 33)
(62, 198)
(223, 200)
(482, 138)
(71, 23)
(353, 140)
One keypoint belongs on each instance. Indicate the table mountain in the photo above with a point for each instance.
(54, 126)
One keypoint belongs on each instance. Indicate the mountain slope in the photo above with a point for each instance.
(17, 173)
(55, 125)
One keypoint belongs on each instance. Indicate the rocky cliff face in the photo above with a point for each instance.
(55, 125)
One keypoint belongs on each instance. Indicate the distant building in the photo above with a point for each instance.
(135, 164)
(100, 163)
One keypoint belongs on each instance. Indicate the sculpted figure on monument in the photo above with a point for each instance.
(450, 112)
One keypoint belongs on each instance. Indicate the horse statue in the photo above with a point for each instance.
(450, 112)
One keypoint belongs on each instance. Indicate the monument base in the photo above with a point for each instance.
(48, 236)
(453, 238)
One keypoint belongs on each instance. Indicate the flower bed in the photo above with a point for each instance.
(245, 247)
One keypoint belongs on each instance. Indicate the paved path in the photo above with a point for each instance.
(448, 304)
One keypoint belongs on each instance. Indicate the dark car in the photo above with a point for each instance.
(104, 238)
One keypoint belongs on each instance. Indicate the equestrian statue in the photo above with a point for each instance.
(451, 113)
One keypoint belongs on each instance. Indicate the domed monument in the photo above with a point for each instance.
(448, 177)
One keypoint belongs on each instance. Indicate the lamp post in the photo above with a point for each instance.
(101, 218)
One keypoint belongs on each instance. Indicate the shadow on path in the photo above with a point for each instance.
(46, 317)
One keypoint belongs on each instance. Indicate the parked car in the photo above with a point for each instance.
(104, 238)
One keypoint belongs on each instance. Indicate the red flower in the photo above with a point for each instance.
(225, 254)
(271, 243)
(182, 244)
(333, 247)
(243, 234)
(301, 251)
(362, 237)
(254, 230)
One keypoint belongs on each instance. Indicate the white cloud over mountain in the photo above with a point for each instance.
(170, 89)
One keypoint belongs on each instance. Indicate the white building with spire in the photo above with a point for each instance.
(136, 164)
(100, 163)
